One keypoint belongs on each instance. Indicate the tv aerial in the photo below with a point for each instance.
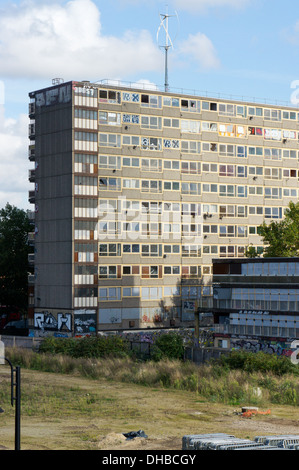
(164, 17)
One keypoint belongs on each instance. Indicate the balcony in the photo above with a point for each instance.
(31, 279)
(31, 197)
(31, 130)
(31, 109)
(31, 153)
(31, 259)
(31, 176)
(31, 236)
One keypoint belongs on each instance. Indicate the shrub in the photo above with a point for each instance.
(168, 346)
(86, 347)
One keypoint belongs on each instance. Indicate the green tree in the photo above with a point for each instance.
(14, 250)
(281, 239)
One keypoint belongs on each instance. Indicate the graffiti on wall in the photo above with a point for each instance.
(85, 322)
(46, 321)
(270, 347)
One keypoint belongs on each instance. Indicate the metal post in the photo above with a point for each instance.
(18, 409)
(16, 397)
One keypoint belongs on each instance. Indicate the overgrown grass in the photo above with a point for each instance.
(227, 381)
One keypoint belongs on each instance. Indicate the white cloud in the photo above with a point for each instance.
(45, 40)
(203, 5)
(14, 162)
(200, 49)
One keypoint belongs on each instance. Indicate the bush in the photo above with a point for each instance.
(259, 362)
(86, 347)
(168, 346)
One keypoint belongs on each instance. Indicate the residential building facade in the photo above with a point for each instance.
(256, 304)
(136, 191)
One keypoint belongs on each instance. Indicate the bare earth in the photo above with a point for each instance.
(164, 415)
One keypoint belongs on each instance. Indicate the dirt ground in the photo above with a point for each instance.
(164, 415)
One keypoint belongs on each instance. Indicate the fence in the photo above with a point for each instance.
(26, 342)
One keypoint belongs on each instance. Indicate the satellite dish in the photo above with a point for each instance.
(168, 42)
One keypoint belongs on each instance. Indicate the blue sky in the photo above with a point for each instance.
(237, 48)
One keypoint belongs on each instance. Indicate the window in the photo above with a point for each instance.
(151, 250)
(191, 188)
(209, 167)
(109, 293)
(86, 136)
(131, 248)
(172, 270)
(190, 105)
(108, 206)
(151, 122)
(191, 209)
(190, 126)
(171, 143)
(131, 291)
(109, 96)
(109, 162)
(171, 165)
(109, 140)
(148, 164)
(191, 251)
(273, 193)
(258, 151)
(209, 126)
(109, 118)
(172, 249)
(226, 190)
(131, 119)
(255, 190)
(209, 147)
(85, 114)
(171, 186)
(272, 134)
(207, 106)
(130, 183)
(227, 150)
(289, 192)
(109, 227)
(150, 272)
(255, 111)
(152, 186)
(84, 163)
(171, 122)
(272, 114)
(286, 153)
(132, 97)
(168, 101)
(272, 173)
(151, 293)
(130, 161)
(109, 184)
(131, 140)
(227, 109)
(189, 272)
(226, 170)
(190, 146)
(108, 272)
(131, 270)
(109, 249)
(151, 143)
(191, 167)
(273, 212)
(151, 101)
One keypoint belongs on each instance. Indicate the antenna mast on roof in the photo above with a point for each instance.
(168, 43)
